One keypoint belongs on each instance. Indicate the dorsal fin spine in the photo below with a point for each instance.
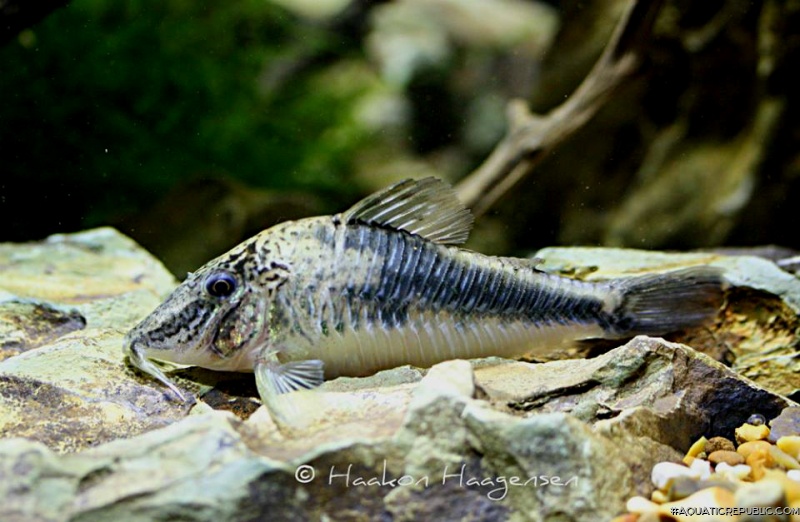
(427, 207)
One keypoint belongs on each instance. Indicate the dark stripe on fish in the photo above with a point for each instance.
(418, 274)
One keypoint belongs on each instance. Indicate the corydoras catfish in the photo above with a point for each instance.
(383, 285)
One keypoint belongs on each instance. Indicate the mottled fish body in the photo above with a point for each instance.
(382, 285)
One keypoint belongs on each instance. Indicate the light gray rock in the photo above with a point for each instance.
(453, 456)
(653, 397)
(67, 302)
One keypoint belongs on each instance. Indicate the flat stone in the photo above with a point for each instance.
(451, 456)
(678, 393)
(785, 424)
(71, 299)
(728, 457)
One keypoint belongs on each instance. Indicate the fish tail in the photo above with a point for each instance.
(661, 303)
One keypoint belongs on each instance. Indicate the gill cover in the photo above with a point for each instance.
(243, 325)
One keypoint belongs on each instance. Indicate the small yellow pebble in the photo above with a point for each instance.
(758, 460)
(696, 449)
(748, 432)
(748, 447)
(790, 444)
(783, 459)
(659, 497)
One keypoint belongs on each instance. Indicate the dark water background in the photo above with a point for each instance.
(190, 125)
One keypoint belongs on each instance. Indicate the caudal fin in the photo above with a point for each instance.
(661, 303)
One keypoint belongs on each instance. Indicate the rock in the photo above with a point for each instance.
(686, 509)
(736, 473)
(790, 444)
(631, 389)
(790, 488)
(728, 457)
(783, 459)
(665, 472)
(749, 433)
(718, 443)
(747, 448)
(759, 460)
(765, 493)
(204, 468)
(681, 487)
(695, 450)
(785, 424)
(702, 467)
(27, 324)
(71, 299)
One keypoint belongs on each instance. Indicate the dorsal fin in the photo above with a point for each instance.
(427, 207)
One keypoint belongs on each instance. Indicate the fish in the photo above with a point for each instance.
(386, 284)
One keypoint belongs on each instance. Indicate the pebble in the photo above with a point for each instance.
(738, 472)
(710, 497)
(641, 505)
(731, 483)
(785, 424)
(727, 456)
(748, 447)
(790, 488)
(719, 443)
(748, 432)
(695, 450)
(761, 469)
(766, 493)
(664, 472)
(790, 444)
(659, 497)
(759, 460)
(682, 487)
(702, 467)
(783, 459)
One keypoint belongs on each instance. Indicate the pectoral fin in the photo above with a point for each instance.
(275, 381)
(278, 378)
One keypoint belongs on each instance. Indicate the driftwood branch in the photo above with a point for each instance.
(531, 136)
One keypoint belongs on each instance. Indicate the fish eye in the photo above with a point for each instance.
(220, 285)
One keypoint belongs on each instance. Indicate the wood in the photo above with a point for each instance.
(530, 136)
